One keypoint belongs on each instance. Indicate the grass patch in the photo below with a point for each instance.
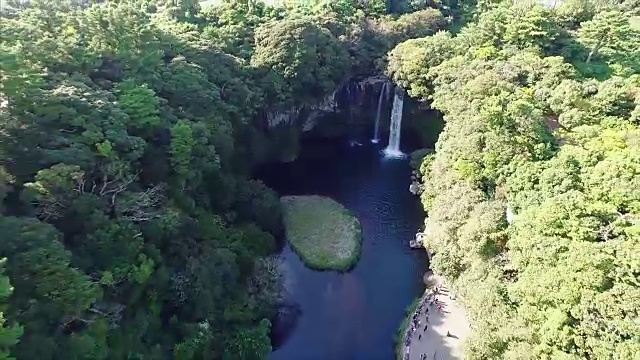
(322, 232)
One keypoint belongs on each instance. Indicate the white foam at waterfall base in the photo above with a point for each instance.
(393, 149)
(393, 154)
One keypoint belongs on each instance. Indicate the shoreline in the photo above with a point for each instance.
(436, 326)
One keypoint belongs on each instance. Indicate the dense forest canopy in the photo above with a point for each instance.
(533, 194)
(128, 132)
(132, 228)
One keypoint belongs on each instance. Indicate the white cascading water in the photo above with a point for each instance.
(383, 92)
(393, 149)
(351, 98)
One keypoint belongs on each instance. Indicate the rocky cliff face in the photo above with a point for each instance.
(353, 96)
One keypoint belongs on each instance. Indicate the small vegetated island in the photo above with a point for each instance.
(322, 232)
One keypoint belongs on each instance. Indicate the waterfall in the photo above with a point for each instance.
(393, 149)
(509, 215)
(383, 91)
(350, 101)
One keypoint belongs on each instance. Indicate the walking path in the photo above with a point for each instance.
(446, 324)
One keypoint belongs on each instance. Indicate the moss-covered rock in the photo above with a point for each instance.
(322, 232)
(416, 158)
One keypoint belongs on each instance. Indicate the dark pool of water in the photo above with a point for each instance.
(355, 315)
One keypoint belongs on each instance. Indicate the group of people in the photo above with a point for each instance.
(423, 307)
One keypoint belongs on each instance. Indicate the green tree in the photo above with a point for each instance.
(140, 104)
(182, 143)
(9, 334)
(608, 29)
(409, 62)
(531, 212)
(308, 57)
(251, 344)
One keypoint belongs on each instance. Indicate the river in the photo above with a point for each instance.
(354, 315)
